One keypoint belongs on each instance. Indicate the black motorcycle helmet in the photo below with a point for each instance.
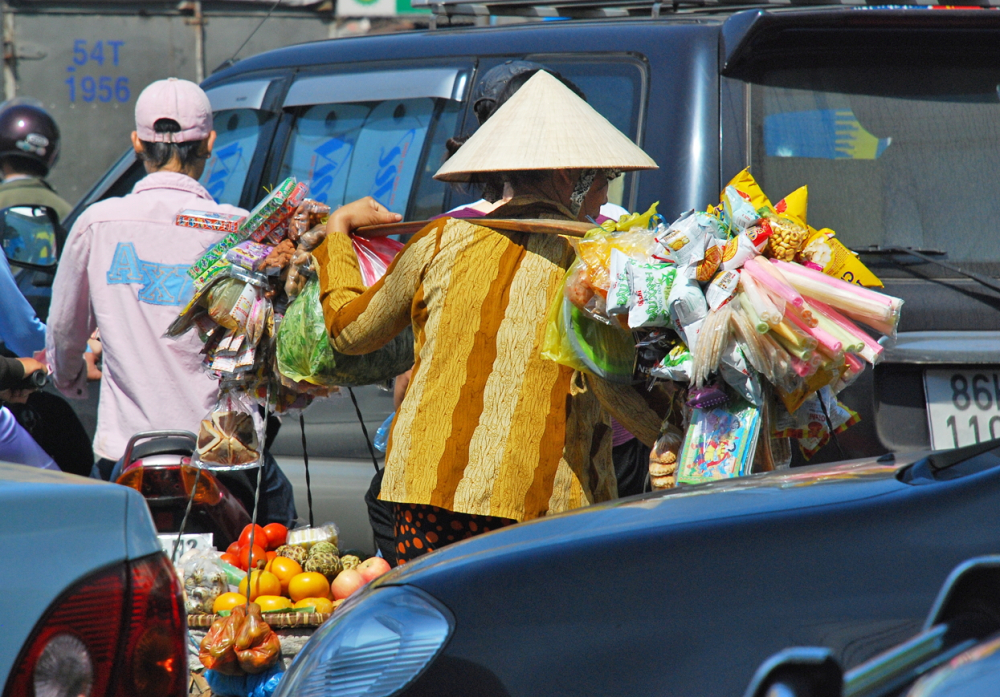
(29, 137)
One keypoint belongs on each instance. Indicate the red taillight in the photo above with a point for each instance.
(120, 631)
(87, 615)
(153, 661)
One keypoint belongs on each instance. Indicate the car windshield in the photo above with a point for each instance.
(890, 157)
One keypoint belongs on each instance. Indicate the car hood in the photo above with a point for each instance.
(803, 487)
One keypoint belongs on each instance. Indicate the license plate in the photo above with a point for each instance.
(963, 406)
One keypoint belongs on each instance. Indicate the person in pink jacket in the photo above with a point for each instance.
(124, 272)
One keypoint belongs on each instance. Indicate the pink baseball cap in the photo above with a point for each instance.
(180, 100)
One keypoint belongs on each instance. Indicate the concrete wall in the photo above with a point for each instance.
(87, 68)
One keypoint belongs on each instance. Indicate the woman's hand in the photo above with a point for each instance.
(364, 211)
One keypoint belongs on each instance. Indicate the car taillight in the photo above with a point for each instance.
(153, 661)
(117, 632)
(76, 642)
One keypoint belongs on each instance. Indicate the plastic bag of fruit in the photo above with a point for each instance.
(217, 651)
(257, 647)
(260, 685)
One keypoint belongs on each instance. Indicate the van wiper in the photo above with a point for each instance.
(924, 255)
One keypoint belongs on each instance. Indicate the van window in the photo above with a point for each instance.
(350, 150)
(891, 156)
(226, 171)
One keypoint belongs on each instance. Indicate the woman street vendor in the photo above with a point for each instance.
(491, 433)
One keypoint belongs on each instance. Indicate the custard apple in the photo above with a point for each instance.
(349, 561)
(293, 552)
(323, 548)
(327, 564)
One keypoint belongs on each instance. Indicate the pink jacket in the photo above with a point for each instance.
(124, 272)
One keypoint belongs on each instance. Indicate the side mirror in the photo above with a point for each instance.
(28, 236)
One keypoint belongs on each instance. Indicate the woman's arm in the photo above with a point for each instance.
(362, 320)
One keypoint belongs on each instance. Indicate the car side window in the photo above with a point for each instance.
(350, 150)
(238, 131)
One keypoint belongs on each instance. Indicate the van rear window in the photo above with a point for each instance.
(889, 159)
(238, 131)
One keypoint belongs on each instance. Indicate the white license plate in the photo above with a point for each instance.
(963, 406)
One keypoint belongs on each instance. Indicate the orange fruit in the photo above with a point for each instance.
(310, 584)
(261, 583)
(227, 601)
(272, 602)
(320, 604)
(285, 569)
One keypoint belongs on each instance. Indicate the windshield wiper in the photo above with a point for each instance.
(924, 255)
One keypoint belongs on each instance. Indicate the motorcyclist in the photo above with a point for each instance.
(29, 148)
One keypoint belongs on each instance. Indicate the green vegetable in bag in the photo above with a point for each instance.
(305, 354)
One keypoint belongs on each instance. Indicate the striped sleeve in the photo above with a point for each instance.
(361, 321)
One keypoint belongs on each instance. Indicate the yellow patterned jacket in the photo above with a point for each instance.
(487, 426)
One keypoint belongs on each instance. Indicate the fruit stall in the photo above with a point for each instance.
(252, 607)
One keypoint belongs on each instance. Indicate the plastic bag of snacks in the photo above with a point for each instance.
(663, 457)
(228, 438)
(307, 537)
(304, 352)
(577, 341)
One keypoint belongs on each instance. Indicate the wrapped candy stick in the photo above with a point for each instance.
(852, 343)
(759, 325)
(871, 350)
(802, 315)
(778, 276)
(804, 368)
(826, 341)
(752, 343)
(879, 311)
(762, 303)
(791, 335)
(782, 290)
(785, 376)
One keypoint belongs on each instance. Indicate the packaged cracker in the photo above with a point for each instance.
(675, 366)
(620, 288)
(787, 238)
(737, 251)
(738, 212)
(651, 285)
(207, 220)
(688, 308)
(249, 255)
(722, 288)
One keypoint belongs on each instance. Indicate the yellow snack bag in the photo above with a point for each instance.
(825, 251)
(795, 205)
(745, 182)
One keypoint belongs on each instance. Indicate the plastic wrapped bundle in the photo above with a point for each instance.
(304, 352)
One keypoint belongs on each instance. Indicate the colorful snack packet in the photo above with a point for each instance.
(722, 288)
(207, 220)
(249, 255)
(737, 251)
(688, 308)
(738, 212)
(651, 285)
(824, 252)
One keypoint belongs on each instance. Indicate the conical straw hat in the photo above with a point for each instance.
(544, 126)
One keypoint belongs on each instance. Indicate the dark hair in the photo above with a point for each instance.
(159, 154)
(491, 184)
(25, 165)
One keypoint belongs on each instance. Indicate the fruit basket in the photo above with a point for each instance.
(277, 620)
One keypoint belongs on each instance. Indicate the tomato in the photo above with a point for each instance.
(233, 548)
(259, 537)
(233, 559)
(258, 557)
(276, 535)
(270, 555)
